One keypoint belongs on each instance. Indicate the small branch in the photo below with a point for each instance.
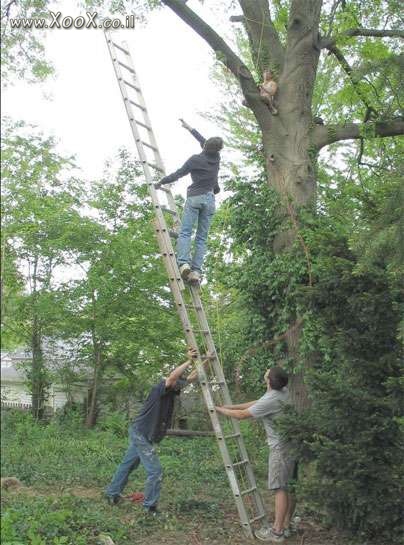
(327, 134)
(348, 70)
(237, 19)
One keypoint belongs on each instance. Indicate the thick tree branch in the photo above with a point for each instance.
(226, 55)
(376, 33)
(327, 134)
(266, 47)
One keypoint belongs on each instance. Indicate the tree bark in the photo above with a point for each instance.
(37, 375)
(91, 418)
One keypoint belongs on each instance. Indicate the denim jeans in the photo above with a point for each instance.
(198, 210)
(140, 451)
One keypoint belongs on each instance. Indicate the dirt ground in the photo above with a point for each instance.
(202, 532)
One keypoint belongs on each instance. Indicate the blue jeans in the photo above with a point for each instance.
(200, 210)
(140, 451)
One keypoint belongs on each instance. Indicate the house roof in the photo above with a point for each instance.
(11, 374)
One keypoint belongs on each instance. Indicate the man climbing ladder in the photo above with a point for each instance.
(200, 204)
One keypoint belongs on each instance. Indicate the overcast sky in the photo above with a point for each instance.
(82, 106)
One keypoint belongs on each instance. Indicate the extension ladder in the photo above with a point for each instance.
(188, 302)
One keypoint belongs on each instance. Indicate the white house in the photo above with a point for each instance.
(14, 389)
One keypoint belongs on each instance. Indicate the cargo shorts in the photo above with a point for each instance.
(281, 468)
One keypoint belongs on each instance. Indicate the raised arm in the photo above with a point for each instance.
(175, 375)
(194, 133)
(193, 376)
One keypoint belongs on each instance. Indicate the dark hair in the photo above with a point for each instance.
(213, 145)
(277, 378)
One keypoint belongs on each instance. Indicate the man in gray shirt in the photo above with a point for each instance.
(281, 464)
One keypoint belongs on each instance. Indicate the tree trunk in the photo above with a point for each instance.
(39, 383)
(289, 152)
(91, 419)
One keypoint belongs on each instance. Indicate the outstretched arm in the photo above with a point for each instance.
(240, 406)
(180, 173)
(194, 133)
(240, 414)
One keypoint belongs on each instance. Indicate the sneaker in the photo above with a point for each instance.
(153, 511)
(287, 532)
(268, 534)
(185, 270)
(293, 527)
(114, 500)
(194, 277)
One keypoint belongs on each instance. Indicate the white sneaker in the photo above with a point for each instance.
(293, 527)
(268, 534)
(185, 269)
(194, 277)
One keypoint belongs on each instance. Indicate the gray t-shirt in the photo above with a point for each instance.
(268, 408)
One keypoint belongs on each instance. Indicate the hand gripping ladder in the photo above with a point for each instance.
(189, 305)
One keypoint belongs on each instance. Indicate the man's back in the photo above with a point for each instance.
(204, 169)
(156, 413)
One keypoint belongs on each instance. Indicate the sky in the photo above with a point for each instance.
(81, 106)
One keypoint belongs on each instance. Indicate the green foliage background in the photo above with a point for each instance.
(352, 244)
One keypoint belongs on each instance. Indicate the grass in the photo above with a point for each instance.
(64, 469)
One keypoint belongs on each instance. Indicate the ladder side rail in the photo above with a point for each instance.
(199, 309)
(217, 427)
(175, 280)
(139, 146)
(153, 140)
(208, 398)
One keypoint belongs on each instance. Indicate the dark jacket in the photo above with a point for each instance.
(204, 169)
(155, 416)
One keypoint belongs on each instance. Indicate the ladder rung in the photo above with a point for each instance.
(121, 48)
(136, 104)
(169, 210)
(240, 463)
(232, 436)
(126, 66)
(152, 165)
(143, 125)
(148, 145)
(197, 307)
(129, 84)
(259, 517)
(248, 491)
